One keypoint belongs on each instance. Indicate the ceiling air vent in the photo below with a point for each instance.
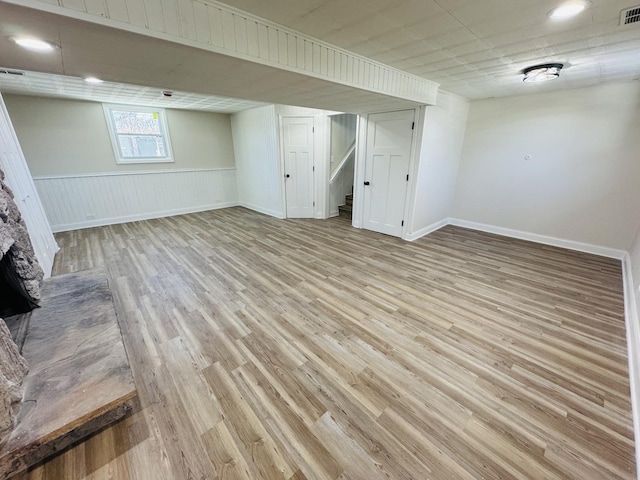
(16, 73)
(630, 15)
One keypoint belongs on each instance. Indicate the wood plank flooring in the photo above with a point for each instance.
(305, 349)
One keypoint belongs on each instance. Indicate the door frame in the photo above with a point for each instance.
(283, 161)
(321, 148)
(361, 158)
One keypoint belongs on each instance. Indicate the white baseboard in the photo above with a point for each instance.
(266, 211)
(101, 222)
(633, 348)
(412, 237)
(547, 240)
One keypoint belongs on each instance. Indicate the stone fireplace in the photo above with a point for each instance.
(20, 273)
(64, 372)
(20, 278)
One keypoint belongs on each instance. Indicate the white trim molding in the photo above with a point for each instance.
(508, 232)
(633, 349)
(534, 237)
(158, 114)
(412, 237)
(265, 211)
(134, 172)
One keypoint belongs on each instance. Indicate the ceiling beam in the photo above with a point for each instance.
(225, 31)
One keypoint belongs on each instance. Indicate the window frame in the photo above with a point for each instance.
(115, 142)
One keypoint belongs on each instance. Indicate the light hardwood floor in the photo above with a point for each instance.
(268, 349)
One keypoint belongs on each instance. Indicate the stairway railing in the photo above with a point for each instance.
(343, 162)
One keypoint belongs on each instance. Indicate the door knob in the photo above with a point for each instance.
(366, 183)
(287, 175)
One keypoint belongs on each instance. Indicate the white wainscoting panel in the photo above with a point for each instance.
(18, 178)
(82, 201)
(255, 144)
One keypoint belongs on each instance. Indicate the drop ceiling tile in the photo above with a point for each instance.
(471, 13)
(440, 24)
(456, 41)
(479, 56)
(472, 47)
(410, 11)
(431, 58)
(392, 39)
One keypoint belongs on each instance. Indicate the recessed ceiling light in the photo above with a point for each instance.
(568, 10)
(34, 44)
(542, 73)
(93, 80)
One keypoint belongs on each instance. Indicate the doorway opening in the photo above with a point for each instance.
(342, 166)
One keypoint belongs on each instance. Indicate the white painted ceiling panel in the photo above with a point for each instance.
(59, 86)
(138, 67)
(473, 48)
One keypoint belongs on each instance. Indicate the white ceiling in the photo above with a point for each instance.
(51, 85)
(132, 59)
(474, 48)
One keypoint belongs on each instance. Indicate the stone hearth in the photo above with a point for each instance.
(79, 379)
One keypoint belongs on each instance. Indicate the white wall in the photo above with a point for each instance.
(581, 183)
(258, 170)
(440, 149)
(18, 178)
(67, 146)
(70, 137)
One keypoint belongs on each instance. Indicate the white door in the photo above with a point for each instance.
(298, 166)
(389, 137)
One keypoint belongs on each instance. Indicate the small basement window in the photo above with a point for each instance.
(138, 134)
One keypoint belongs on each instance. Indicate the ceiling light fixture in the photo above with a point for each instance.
(93, 80)
(542, 73)
(35, 44)
(568, 10)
